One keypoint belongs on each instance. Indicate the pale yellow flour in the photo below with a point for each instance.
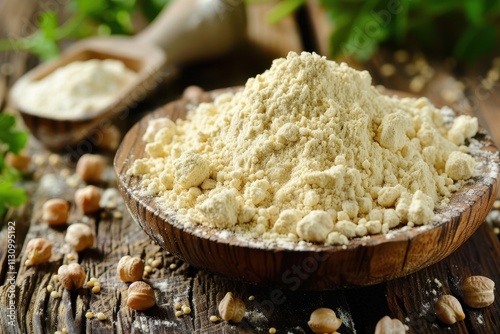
(309, 150)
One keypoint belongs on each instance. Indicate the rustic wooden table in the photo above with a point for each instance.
(409, 299)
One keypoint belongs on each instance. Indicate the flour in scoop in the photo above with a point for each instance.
(76, 90)
(308, 151)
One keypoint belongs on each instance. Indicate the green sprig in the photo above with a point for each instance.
(11, 140)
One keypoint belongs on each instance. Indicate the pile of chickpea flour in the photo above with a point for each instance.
(308, 151)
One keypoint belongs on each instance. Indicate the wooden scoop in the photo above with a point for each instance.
(186, 30)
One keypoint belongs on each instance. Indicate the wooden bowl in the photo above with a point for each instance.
(364, 261)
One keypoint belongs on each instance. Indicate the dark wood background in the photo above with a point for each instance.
(409, 299)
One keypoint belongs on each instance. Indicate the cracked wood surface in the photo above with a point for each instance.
(409, 299)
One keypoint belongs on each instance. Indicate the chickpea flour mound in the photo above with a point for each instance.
(75, 90)
(308, 151)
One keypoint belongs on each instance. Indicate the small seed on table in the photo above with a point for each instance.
(186, 309)
(178, 314)
(89, 315)
(214, 318)
(101, 316)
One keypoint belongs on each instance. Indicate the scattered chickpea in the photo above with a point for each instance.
(50, 288)
(192, 93)
(64, 331)
(251, 298)
(148, 269)
(140, 296)
(20, 162)
(58, 332)
(89, 315)
(478, 291)
(324, 320)
(79, 236)
(177, 306)
(272, 330)
(130, 269)
(101, 316)
(54, 159)
(110, 138)
(55, 294)
(55, 211)
(39, 250)
(90, 167)
(72, 276)
(231, 308)
(186, 310)
(388, 325)
(173, 266)
(449, 310)
(387, 70)
(55, 278)
(117, 215)
(96, 289)
(214, 318)
(150, 261)
(156, 263)
(178, 314)
(87, 199)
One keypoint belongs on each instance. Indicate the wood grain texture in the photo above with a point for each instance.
(362, 262)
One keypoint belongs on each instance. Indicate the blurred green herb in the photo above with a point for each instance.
(11, 140)
(464, 29)
(85, 18)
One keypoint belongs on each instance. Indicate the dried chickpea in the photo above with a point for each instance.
(130, 269)
(89, 315)
(96, 289)
(186, 309)
(79, 236)
(55, 211)
(71, 276)
(90, 167)
(214, 318)
(50, 288)
(55, 294)
(178, 314)
(39, 250)
(110, 138)
(156, 263)
(231, 308)
(449, 310)
(324, 320)
(388, 325)
(478, 291)
(87, 199)
(20, 162)
(140, 296)
(101, 316)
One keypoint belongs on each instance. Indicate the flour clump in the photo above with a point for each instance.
(308, 150)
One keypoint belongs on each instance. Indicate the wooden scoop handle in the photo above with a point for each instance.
(190, 30)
